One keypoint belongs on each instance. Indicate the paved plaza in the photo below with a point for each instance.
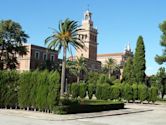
(134, 114)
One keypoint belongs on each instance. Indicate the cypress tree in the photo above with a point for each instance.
(139, 61)
(128, 71)
(162, 59)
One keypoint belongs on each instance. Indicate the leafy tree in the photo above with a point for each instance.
(64, 38)
(139, 61)
(162, 59)
(12, 38)
(77, 67)
(161, 76)
(128, 75)
(110, 65)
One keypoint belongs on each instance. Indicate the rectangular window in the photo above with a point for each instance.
(52, 57)
(37, 55)
(44, 56)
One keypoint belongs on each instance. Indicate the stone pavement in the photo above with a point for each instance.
(55, 117)
(135, 114)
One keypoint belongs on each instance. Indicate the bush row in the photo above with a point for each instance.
(35, 90)
(115, 92)
(9, 86)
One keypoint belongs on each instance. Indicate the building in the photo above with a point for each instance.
(120, 58)
(36, 57)
(89, 36)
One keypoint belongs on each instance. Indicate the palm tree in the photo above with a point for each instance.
(77, 67)
(65, 38)
(110, 65)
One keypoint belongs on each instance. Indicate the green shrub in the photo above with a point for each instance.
(75, 90)
(24, 90)
(103, 91)
(154, 93)
(82, 90)
(9, 88)
(91, 90)
(53, 96)
(135, 91)
(127, 92)
(69, 89)
(115, 92)
(142, 92)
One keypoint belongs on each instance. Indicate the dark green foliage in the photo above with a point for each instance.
(24, 90)
(127, 92)
(75, 90)
(162, 59)
(115, 92)
(139, 62)
(53, 89)
(103, 79)
(161, 78)
(91, 90)
(154, 93)
(128, 75)
(12, 38)
(69, 88)
(135, 91)
(82, 90)
(39, 90)
(86, 106)
(142, 92)
(103, 91)
(8, 88)
(92, 77)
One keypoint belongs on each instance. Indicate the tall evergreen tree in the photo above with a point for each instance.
(161, 59)
(128, 71)
(12, 38)
(139, 61)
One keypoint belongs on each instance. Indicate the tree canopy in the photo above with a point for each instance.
(139, 61)
(162, 59)
(12, 38)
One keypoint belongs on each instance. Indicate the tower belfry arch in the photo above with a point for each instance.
(89, 36)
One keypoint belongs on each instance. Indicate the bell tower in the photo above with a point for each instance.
(89, 36)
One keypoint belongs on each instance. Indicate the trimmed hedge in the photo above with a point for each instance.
(91, 90)
(127, 92)
(75, 90)
(8, 88)
(135, 92)
(81, 107)
(29, 90)
(115, 92)
(142, 92)
(82, 90)
(103, 91)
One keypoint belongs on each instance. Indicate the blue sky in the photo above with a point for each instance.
(118, 21)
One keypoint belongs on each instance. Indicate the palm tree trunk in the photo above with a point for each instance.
(63, 71)
(78, 78)
(109, 74)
